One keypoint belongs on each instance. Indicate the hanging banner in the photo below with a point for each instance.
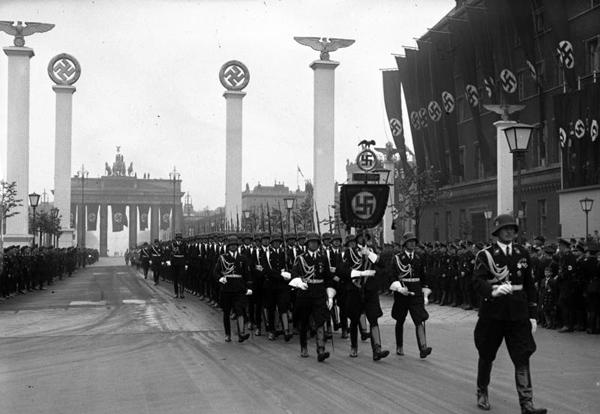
(392, 96)
(72, 220)
(561, 46)
(119, 217)
(92, 216)
(363, 205)
(165, 217)
(144, 212)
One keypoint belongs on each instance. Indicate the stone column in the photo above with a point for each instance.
(233, 148)
(323, 158)
(133, 216)
(17, 142)
(505, 173)
(103, 229)
(62, 160)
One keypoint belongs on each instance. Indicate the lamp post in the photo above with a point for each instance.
(289, 205)
(34, 199)
(54, 215)
(586, 206)
(488, 216)
(188, 212)
(174, 175)
(82, 174)
(518, 137)
(246, 214)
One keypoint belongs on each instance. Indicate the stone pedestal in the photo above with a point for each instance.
(505, 172)
(323, 158)
(17, 142)
(233, 149)
(62, 160)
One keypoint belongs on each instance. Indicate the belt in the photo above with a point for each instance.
(233, 276)
(515, 288)
(410, 279)
(314, 281)
(178, 256)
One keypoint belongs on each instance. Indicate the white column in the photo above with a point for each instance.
(62, 160)
(505, 169)
(324, 117)
(17, 142)
(388, 217)
(233, 160)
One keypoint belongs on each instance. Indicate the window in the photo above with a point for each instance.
(464, 224)
(541, 150)
(461, 163)
(448, 225)
(541, 217)
(592, 55)
(436, 226)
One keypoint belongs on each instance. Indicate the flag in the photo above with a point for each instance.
(560, 47)
(392, 96)
(119, 217)
(521, 14)
(144, 211)
(483, 43)
(300, 171)
(92, 216)
(408, 69)
(72, 218)
(165, 217)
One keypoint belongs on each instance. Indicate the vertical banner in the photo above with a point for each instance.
(165, 217)
(483, 42)
(72, 218)
(392, 96)
(119, 217)
(563, 125)
(144, 211)
(561, 46)
(92, 216)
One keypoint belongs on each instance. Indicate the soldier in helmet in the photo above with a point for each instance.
(503, 279)
(411, 293)
(179, 263)
(156, 259)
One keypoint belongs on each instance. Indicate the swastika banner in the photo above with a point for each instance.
(92, 216)
(363, 205)
(119, 217)
(144, 210)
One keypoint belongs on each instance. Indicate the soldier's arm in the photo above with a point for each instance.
(480, 276)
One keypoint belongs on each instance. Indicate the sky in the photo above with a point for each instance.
(149, 83)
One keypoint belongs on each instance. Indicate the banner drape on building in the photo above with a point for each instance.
(561, 46)
(119, 217)
(92, 216)
(392, 96)
(72, 218)
(483, 43)
(144, 210)
(165, 217)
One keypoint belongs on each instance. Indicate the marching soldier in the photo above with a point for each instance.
(505, 283)
(362, 295)
(156, 259)
(336, 267)
(314, 298)
(261, 267)
(179, 264)
(232, 273)
(277, 291)
(411, 293)
(566, 283)
(145, 259)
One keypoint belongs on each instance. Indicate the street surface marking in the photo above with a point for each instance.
(134, 301)
(87, 303)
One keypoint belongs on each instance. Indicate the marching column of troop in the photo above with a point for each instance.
(29, 268)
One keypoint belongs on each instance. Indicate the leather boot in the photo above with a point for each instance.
(362, 323)
(484, 369)
(287, 334)
(353, 352)
(525, 390)
(424, 350)
(242, 336)
(376, 344)
(322, 355)
(399, 338)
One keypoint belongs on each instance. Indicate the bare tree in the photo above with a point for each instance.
(8, 202)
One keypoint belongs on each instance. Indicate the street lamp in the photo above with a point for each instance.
(488, 216)
(246, 214)
(54, 215)
(34, 199)
(518, 137)
(289, 205)
(174, 175)
(82, 174)
(586, 206)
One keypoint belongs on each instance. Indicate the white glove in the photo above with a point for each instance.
(259, 268)
(501, 290)
(368, 272)
(404, 291)
(426, 293)
(533, 325)
(356, 273)
(331, 292)
(298, 283)
(186, 267)
(329, 303)
(223, 280)
(248, 292)
(168, 263)
(149, 262)
(286, 275)
(373, 257)
(331, 269)
(395, 286)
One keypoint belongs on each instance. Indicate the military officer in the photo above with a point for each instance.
(156, 259)
(503, 278)
(179, 262)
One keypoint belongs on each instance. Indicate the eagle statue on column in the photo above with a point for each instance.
(324, 44)
(21, 29)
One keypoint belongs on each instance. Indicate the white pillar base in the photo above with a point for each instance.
(17, 240)
(505, 173)
(66, 239)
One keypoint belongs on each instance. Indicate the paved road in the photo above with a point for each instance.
(108, 341)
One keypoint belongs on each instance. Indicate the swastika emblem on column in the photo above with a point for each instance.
(562, 135)
(594, 130)
(364, 205)
(435, 112)
(234, 75)
(472, 95)
(396, 127)
(448, 101)
(366, 160)
(64, 69)
(509, 81)
(579, 129)
(565, 54)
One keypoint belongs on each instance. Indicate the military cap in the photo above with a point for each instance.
(540, 238)
(156, 241)
(265, 235)
(290, 237)
(502, 221)
(326, 236)
(276, 237)
(349, 238)
(408, 236)
(580, 247)
(312, 237)
(233, 239)
(244, 236)
(550, 249)
(365, 234)
(564, 241)
(178, 235)
(336, 236)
